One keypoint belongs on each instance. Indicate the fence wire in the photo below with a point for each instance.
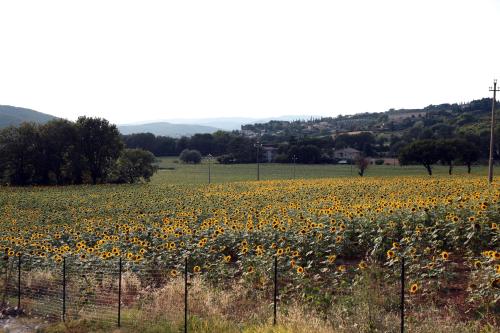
(149, 292)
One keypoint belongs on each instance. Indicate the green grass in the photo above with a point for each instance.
(174, 172)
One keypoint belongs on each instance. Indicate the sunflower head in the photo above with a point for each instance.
(362, 265)
(331, 258)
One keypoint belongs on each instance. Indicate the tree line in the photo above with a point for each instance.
(62, 152)
(232, 147)
(429, 152)
(227, 146)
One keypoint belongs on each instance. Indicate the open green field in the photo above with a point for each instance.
(172, 171)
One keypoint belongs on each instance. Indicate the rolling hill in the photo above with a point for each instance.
(13, 116)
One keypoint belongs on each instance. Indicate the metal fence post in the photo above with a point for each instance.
(119, 291)
(64, 290)
(185, 294)
(19, 282)
(275, 298)
(402, 306)
(6, 284)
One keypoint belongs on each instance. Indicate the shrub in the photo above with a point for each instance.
(134, 165)
(190, 156)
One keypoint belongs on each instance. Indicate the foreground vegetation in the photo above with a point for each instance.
(339, 244)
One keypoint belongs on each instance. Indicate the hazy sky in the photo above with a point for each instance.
(144, 60)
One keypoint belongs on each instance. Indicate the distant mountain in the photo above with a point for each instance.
(11, 115)
(234, 123)
(167, 129)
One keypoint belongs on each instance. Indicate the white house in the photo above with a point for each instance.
(347, 153)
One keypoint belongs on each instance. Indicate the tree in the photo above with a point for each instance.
(305, 154)
(204, 143)
(134, 165)
(146, 141)
(19, 154)
(362, 163)
(242, 149)
(58, 145)
(447, 152)
(158, 145)
(467, 152)
(165, 146)
(362, 141)
(221, 142)
(181, 144)
(190, 156)
(443, 131)
(100, 145)
(424, 152)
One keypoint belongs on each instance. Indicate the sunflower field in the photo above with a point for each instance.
(325, 234)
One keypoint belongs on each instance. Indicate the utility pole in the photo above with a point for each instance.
(209, 165)
(258, 145)
(492, 134)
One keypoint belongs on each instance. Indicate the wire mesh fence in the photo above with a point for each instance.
(118, 292)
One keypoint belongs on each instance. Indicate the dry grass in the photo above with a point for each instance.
(236, 305)
(40, 280)
(368, 307)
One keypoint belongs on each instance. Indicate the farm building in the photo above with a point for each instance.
(347, 153)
